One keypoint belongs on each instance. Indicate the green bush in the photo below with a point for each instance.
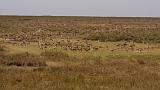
(138, 36)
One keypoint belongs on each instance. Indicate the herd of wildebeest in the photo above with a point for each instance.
(44, 40)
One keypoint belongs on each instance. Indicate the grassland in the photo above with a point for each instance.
(79, 53)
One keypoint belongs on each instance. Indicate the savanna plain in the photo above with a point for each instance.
(79, 53)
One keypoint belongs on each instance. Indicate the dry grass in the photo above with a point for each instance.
(55, 54)
(92, 73)
(2, 48)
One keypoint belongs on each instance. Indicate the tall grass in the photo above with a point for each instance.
(114, 75)
(22, 60)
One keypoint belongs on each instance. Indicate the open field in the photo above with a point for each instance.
(79, 53)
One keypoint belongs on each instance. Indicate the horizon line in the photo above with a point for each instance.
(82, 16)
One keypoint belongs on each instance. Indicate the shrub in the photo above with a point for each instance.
(138, 36)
